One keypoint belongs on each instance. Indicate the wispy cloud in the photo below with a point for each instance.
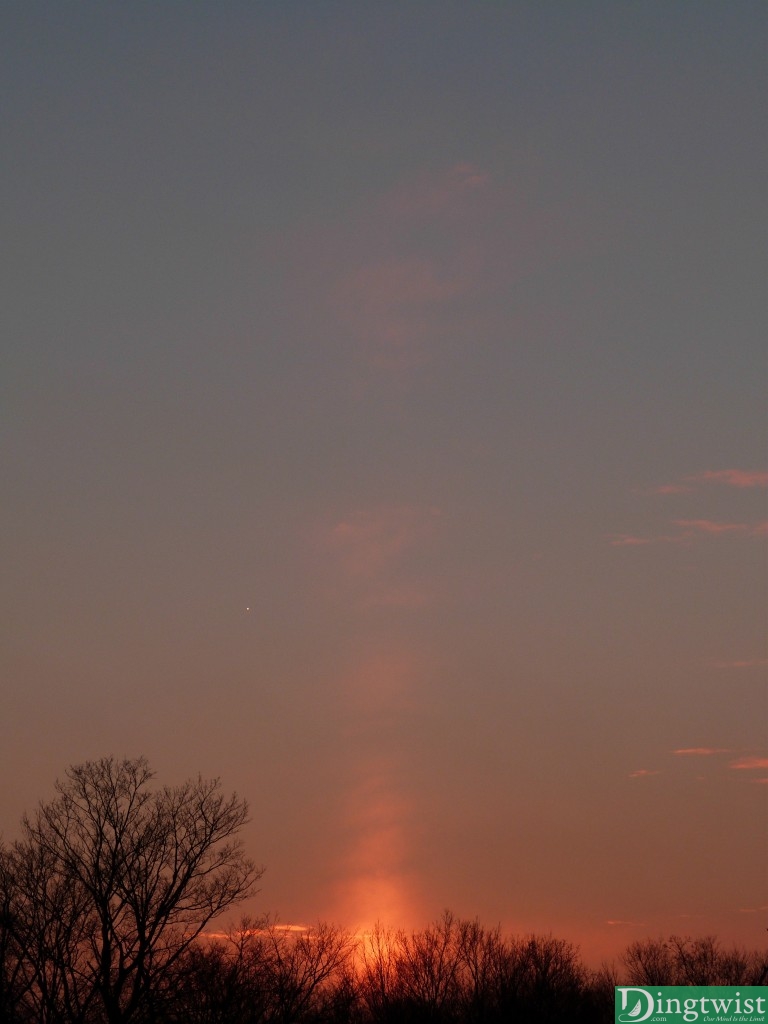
(393, 307)
(740, 478)
(393, 294)
(368, 540)
(690, 531)
(700, 751)
(642, 773)
(432, 194)
(669, 489)
(400, 275)
(749, 763)
(695, 528)
(745, 763)
(269, 926)
(372, 557)
(710, 526)
(743, 663)
(628, 540)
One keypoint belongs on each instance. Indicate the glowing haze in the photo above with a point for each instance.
(383, 398)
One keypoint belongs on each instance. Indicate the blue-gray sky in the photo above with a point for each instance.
(383, 412)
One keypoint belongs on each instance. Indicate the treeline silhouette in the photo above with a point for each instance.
(107, 902)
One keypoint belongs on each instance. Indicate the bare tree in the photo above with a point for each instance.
(488, 963)
(299, 969)
(428, 965)
(266, 973)
(686, 961)
(554, 978)
(46, 929)
(111, 883)
(377, 974)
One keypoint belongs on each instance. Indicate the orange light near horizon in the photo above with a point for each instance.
(368, 902)
(374, 883)
(375, 886)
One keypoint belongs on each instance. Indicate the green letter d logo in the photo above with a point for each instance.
(642, 1009)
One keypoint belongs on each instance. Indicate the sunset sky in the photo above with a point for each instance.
(384, 431)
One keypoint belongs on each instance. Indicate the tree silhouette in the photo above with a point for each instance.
(686, 961)
(265, 973)
(110, 884)
(105, 899)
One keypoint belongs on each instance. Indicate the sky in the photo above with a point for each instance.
(383, 411)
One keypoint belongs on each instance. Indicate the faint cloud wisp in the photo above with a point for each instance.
(373, 551)
(732, 478)
(749, 763)
(696, 528)
(700, 751)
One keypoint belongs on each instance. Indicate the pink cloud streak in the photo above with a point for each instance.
(700, 751)
(749, 763)
(626, 540)
(732, 478)
(744, 663)
(710, 526)
(738, 478)
(691, 528)
(368, 539)
(629, 540)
